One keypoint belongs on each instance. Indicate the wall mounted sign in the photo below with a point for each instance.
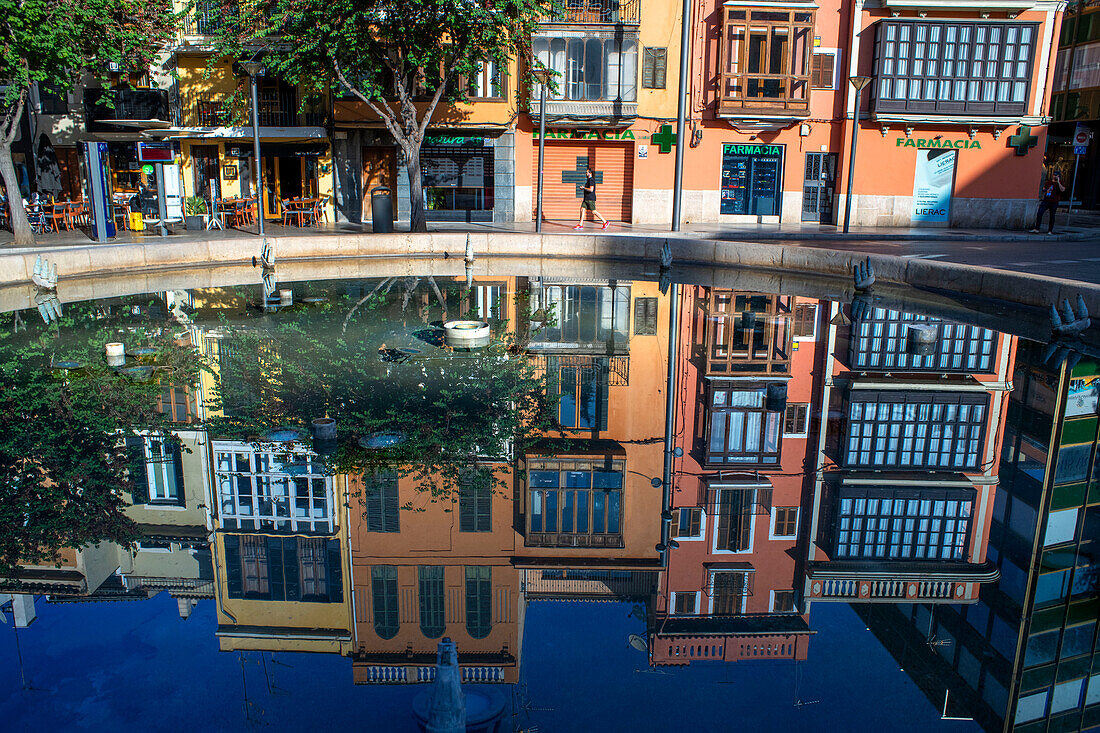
(664, 139)
(229, 172)
(456, 140)
(643, 151)
(586, 134)
(933, 184)
(920, 142)
(1023, 141)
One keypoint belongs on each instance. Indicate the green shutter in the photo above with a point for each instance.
(603, 376)
(139, 475)
(335, 572)
(233, 566)
(654, 62)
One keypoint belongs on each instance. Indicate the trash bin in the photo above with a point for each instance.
(381, 210)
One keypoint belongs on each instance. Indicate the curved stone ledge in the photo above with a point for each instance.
(146, 259)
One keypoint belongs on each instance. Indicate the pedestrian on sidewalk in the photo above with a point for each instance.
(589, 200)
(1052, 196)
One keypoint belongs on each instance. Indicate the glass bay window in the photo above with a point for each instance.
(954, 67)
(597, 66)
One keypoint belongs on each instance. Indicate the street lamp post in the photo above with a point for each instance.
(542, 77)
(254, 69)
(858, 83)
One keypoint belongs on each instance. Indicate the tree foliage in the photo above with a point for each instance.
(57, 42)
(401, 59)
(378, 368)
(63, 463)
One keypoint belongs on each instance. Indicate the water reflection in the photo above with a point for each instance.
(937, 475)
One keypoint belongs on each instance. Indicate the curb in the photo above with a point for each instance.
(87, 262)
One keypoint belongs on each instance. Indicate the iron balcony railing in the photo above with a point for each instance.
(277, 109)
(598, 12)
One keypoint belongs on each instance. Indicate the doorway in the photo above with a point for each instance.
(818, 187)
(379, 169)
(204, 166)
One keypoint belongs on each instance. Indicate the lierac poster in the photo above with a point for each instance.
(932, 185)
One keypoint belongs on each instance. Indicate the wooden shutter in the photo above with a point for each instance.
(821, 76)
(335, 572)
(233, 566)
(139, 475)
(276, 578)
(645, 316)
(654, 63)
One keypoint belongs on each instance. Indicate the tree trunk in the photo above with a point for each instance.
(418, 219)
(20, 226)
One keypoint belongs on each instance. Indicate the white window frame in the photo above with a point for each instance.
(771, 600)
(835, 53)
(676, 596)
(165, 467)
(227, 493)
(702, 526)
(717, 488)
(816, 307)
(806, 432)
(484, 81)
(771, 523)
(744, 593)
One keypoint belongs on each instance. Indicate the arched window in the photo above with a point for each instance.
(479, 596)
(431, 600)
(384, 592)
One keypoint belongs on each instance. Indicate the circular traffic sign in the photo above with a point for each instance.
(1081, 137)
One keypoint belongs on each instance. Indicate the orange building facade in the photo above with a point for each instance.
(952, 122)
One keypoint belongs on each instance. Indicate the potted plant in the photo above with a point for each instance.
(195, 213)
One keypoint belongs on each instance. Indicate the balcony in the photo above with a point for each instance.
(598, 12)
(765, 63)
(277, 109)
(564, 539)
(108, 110)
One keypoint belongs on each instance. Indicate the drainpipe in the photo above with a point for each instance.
(670, 421)
(681, 114)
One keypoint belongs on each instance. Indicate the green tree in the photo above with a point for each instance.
(64, 417)
(401, 59)
(54, 43)
(377, 366)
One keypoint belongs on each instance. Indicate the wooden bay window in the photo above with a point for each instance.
(765, 60)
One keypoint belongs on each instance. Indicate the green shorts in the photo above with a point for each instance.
(590, 205)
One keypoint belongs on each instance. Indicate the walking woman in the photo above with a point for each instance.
(589, 200)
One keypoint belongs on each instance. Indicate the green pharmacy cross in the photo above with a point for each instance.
(1023, 142)
(663, 139)
(577, 175)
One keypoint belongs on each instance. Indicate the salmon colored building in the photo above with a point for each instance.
(952, 121)
(746, 371)
(906, 475)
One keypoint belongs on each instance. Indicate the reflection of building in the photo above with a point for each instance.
(1023, 657)
(588, 496)
(443, 569)
(279, 551)
(746, 372)
(169, 504)
(905, 482)
(1075, 100)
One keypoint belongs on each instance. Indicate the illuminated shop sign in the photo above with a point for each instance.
(587, 135)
